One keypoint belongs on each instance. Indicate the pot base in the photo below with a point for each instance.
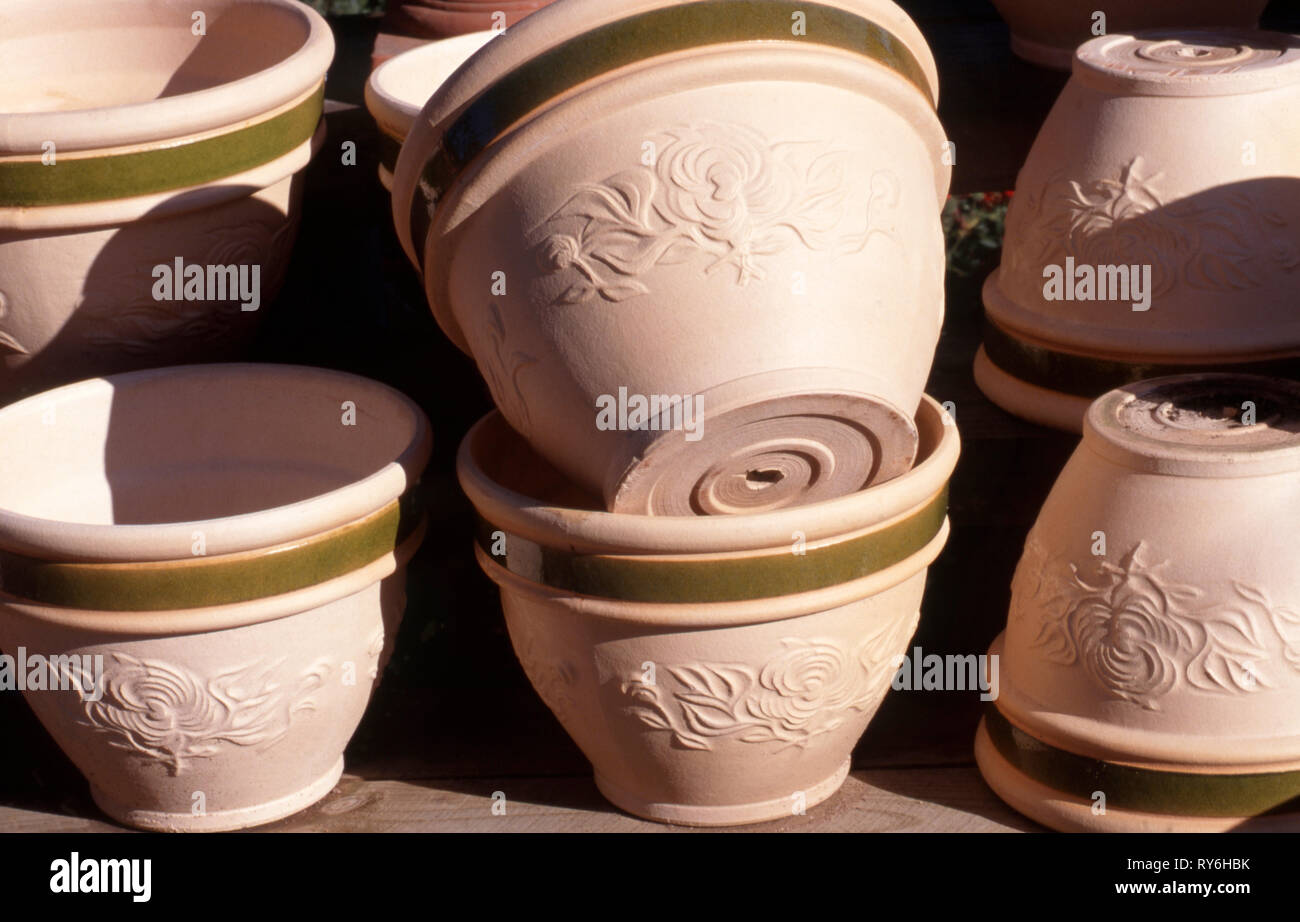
(1043, 55)
(722, 815)
(1029, 401)
(221, 820)
(768, 454)
(1066, 813)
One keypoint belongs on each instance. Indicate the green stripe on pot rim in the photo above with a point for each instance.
(605, 48)
(80, 179)
(691, 579)
(1142, 789)
(206, 581)
(1086, 376)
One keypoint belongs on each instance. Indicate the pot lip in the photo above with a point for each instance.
(1142, 426)
(224, 106)
(552, 25)
(396, 113)
(71, 541)
(1136, 63)
(596, 532)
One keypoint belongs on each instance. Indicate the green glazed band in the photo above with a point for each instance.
(73, 179)
(1143, 789)
(642, 579)
(1084, 376)
(205, 581)
(674, 28)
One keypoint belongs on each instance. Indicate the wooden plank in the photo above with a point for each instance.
(892, 800)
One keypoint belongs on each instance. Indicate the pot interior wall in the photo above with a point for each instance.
(89, 54)
(180, 448)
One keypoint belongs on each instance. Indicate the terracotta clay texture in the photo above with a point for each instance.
(129, 142)
(1152, 648)
(1166, 154)
(716, 671)
(698, 207)
(437, 19)
(215, 558)
(398, 89)
(1049, 33)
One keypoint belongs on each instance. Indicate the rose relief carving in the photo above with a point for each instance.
(505, 366)
(173, 716)
(1139, 634)
(800, 693)
(1126, 221)
(133, 322)
(717, 189)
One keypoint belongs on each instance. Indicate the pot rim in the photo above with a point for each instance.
(171, 117)
(58, 540)
(598, 532)
(541, 32)
(395, 113)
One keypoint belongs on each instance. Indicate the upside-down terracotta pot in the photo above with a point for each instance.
(1048, 33)
(214, 557)
(715, 671)
(144, 148)
(1110, 196)
(1151, 660)
(408, 24)
(399, 88)
(718, 206)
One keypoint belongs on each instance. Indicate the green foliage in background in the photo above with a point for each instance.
(972, 227)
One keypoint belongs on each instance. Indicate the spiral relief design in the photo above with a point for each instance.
(171, 715)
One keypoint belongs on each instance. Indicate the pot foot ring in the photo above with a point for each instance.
(1117, 810)
(221, 820)
(771, 454)
(724, 814)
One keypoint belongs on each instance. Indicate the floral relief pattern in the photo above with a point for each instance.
(173, 716)
(719, 189)
(133, 322)
(7, 341)
(506, 366)
(375, 650)
(807, 690)
(1125, 221)
(1139, 634)
(553, 679)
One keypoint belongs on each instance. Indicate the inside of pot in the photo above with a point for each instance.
(200, 443)
(89, 54)
(411, 78)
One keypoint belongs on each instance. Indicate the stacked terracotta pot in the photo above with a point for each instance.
(695, 251)
(408, 24)
(1153, 230)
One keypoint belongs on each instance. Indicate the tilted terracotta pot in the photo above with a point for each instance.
(1048, 33)
(1171, 155)
(1151, 660)
(715, 671)
(129, 143)
(437, 19)
(216, 557)
(399, 88)
(679, 201)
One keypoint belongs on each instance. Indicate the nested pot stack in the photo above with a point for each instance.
(1169, 161)
(208, 564)
(139, 148)
(1151, 658)
(733, 205)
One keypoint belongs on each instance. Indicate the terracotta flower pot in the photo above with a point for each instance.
(1151, 660)
(437, 19)
(680, 202)
(399, 88)
(1112, 189)
(715, 671)
(121, 171)
(1048, 33)
(215, 558)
